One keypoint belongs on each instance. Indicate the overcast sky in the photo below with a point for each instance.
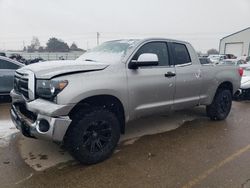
(201, 22)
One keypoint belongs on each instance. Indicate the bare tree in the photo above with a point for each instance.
(35, 45)
(35, 42)
(212, 51)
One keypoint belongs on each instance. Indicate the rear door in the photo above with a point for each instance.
(151, 89)
(7, 71)
(188, 76)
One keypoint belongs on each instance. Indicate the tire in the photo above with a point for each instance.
(93, 135)
(221, 105)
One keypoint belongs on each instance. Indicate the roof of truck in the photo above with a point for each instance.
(153, 39)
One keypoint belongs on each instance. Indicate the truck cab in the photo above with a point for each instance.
(85, 104)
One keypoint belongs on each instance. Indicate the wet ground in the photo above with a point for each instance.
(182, 149)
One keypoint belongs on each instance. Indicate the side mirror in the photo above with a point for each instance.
(146, 59)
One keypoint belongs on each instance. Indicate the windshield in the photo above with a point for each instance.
(112, 51)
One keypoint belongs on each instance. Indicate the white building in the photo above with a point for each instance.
(237, 43)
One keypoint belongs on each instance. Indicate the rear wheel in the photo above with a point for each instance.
(221, 105)
(93, 136)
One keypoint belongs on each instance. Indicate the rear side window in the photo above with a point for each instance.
(7, 65)
(158, 48)
(181, 54)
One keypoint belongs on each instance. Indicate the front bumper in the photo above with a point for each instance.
(29, 124)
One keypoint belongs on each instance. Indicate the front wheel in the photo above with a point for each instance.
(94, 136)
(221, 105)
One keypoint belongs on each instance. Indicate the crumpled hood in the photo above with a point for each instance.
(50, 69)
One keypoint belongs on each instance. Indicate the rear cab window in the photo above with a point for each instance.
(205, 61)
(181, 54)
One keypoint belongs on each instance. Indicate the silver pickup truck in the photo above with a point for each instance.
(86, 103)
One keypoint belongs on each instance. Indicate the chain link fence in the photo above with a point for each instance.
(48, 56)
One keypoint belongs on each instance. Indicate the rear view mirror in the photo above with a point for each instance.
(146, 59)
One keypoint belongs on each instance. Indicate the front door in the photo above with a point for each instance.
(151, 89)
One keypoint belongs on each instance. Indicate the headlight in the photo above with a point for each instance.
(50, 88)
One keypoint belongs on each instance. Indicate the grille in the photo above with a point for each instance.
(21, 84)
(30, 116)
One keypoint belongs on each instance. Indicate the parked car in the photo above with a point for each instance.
(7, 71)
(248, 59)
(86, 103)
(216, 58)
(244, 92)
(2, 54)
(236, 62)
(18, 57)
(230, 56)
(204, 60)
(245, 59)
(31, 61)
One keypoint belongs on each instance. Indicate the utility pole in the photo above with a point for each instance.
(97, 38)
(23, 45)
(87, 45)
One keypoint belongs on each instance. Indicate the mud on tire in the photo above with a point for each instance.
(93, 135)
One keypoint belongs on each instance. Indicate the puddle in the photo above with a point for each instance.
(7, 128)
(5, 140)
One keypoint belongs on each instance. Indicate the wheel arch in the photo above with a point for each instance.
(226, 85)
(223, 85)
(212, 109)
(109, 102)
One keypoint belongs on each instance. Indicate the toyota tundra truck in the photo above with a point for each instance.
(86, 103)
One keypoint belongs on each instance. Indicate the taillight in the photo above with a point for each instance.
(241, 70)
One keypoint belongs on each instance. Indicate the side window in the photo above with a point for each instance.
(158, 48)
(7, 65)
(181, 54)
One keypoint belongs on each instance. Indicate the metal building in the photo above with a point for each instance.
(237, 43)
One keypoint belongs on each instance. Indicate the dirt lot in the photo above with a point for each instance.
(182, 149)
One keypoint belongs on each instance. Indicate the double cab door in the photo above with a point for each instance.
(172, 84)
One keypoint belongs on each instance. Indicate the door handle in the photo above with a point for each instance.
(170, 74)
